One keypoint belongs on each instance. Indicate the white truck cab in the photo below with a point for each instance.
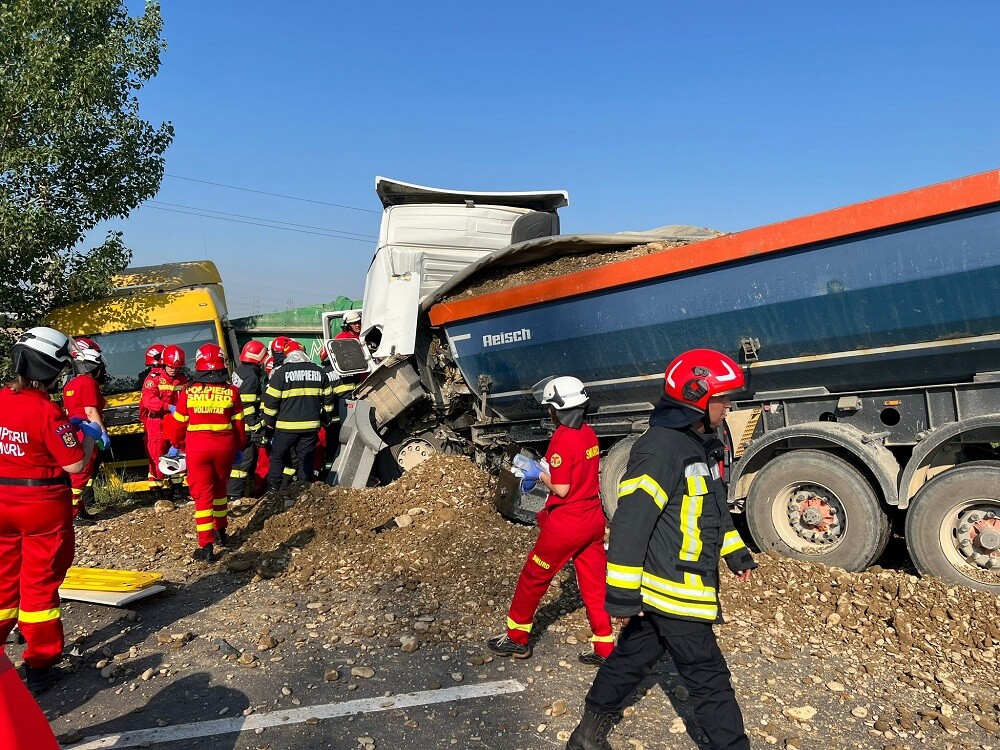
(427, 236)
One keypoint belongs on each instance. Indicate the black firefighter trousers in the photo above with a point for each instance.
(699, 661)
(283, 444)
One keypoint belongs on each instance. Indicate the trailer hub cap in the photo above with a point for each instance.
(978, 535)
(815, 517)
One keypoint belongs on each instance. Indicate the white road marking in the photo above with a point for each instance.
(146, 737)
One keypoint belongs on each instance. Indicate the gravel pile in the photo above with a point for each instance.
(882, 657)
(494, 280)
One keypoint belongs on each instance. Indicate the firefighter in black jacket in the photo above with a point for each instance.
(671, 527)
(247, 377)
(298, 401)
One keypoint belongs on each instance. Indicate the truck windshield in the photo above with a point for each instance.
(125, 351)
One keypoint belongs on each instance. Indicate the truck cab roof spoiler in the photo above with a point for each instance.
(397, 193)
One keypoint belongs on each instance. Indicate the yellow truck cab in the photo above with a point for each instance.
(174, 303)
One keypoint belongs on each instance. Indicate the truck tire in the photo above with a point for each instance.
(953, 526)
(811, 505)
(612, 470)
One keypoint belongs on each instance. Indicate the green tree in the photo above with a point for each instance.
(74, 150)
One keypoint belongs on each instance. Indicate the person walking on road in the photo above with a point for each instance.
(38, 451)
(208, 421)
(670, 529)
(571, 525)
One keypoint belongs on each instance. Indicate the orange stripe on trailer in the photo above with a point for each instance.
(914, 205)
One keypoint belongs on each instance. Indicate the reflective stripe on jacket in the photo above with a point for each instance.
(670, 529)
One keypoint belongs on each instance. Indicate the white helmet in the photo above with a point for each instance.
(352, 317)
(87, 356)
(172, 465)
(561, 392)
(41, 354)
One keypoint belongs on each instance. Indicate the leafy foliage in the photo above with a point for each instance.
(74, 150)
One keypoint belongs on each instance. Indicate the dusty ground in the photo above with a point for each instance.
(821, 658)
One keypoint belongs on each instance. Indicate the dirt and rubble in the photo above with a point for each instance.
(821, 658)
(496, 279)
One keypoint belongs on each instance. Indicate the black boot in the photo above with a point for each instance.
(222, 537)
(204, 554)
(40, 679)
(592, 732)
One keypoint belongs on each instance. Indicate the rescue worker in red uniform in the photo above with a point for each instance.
(159, 398)
(38, 450)
(83, 401)
(571, 524)
(247, 377)
(154, 361)
(351, 327)
(23, 726)
(671, 528)
(210, 412)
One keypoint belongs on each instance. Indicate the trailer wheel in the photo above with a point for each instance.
(612, 470)
(811, 505)
(953, 526)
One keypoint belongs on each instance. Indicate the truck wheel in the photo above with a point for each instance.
(814, 506)
(612, 470)
(953, 526)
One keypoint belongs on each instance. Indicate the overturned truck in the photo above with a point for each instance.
(870, 335)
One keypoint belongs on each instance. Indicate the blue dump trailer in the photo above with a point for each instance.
(871, 339)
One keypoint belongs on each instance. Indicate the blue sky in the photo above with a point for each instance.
(726, 114)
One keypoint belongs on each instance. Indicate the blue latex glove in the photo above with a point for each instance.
(529, 470)
(237, 458)
(90, 429)
(173, 451)
(172, 408)
(77, 421)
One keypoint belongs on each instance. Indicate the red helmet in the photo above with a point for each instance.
(173, 356)
(293, 346)
(268, 364)
(253, 352)
(83, 342)
(697, 375)
(209, 357)
(154, 355)
(278, 344)
(323, 355)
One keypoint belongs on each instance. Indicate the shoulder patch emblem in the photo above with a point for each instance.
(69, 438)
(556, 461)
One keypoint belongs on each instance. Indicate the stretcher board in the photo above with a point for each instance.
(106, 579)
(110, 598)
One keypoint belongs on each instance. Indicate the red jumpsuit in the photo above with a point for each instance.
(22, 723)
(159, 392)
(36, 519)
(79, 393)
(212, 416)
(571, 528)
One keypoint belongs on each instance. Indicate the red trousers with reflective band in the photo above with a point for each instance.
(36, 550)
(569, 532)
(209, 461)
(23, 726)
(156, 446)
(84, 480)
